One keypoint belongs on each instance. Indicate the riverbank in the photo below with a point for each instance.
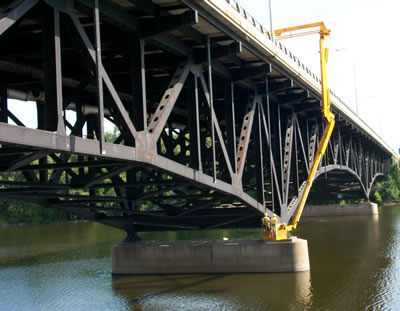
(25, 224)
(391, 204)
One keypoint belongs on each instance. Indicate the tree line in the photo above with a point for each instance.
(388, 190)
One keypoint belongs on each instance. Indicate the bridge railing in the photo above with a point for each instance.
(279, 44)
(234, 4)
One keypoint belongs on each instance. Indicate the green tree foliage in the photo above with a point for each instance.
(389, 189)
(13, 212)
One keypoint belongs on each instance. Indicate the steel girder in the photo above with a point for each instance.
(209, 134)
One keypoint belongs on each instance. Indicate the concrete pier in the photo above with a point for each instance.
(367, 208)
(236, 256)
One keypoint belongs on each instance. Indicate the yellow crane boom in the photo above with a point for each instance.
(328, 116)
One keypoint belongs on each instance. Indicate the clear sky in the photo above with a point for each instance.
(363, 41)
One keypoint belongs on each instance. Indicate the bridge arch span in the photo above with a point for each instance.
(343, 182)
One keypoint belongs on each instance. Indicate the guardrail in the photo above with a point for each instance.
(234, 4)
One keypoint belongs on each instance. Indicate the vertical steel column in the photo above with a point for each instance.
(326, 154)
(99, 75)
(57, 48)
(40, 110)
(230, 123)
(340, 148)
(138, 108)
(194, 122)
(280, 149)
(90, 127)
(52, 71)
(276, 153)
(3, 98)
(143, 80)
(259, 158)
(295, 158)
(210, 88)
(348, 149)
(197, 114)
(79, 133)
(271, 164)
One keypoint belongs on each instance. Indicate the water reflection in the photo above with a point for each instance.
(355, 265)
(215, 292)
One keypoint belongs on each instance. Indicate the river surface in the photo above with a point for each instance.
(355, 265)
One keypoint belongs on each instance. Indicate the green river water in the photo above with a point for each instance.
(355, 265)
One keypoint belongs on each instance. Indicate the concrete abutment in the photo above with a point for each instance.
(367, 208)
(236, 256)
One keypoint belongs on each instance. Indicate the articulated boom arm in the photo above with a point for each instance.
(329, 117)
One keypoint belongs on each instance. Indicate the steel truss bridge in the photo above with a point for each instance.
(217, 121)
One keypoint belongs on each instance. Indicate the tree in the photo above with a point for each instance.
(389, 189)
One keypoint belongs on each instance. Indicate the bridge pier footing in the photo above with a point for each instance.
(236, 256)
(367, 208)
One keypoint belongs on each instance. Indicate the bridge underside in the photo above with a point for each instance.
(209, 131)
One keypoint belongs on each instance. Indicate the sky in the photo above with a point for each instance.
(363, 56)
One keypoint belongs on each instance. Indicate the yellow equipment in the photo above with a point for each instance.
(279, 234)
(272, 229)
(328, 116)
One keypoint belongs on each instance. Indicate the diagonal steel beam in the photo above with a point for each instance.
(216, 125)
(120, 106)
(115, 14)
(288, 144)
(302, 145)
(167, 103)
(13, 16)
(25, 160)
(108, 175)
(245, 134)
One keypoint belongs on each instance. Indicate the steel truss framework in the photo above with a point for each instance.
(210, 134)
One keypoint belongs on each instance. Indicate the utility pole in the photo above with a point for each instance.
(271, 31)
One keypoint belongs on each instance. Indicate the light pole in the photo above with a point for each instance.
(354, 77)
(270, 20)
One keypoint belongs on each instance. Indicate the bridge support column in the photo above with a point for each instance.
(367, 208)
(236, 256)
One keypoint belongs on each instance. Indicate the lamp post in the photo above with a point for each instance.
(270, 20)
(354, 77)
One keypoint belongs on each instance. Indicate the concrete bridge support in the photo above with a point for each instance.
(240, 256)
(367, 208)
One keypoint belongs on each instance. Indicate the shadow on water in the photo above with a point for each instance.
(64, 254)
(217, 292)
(45, 244)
